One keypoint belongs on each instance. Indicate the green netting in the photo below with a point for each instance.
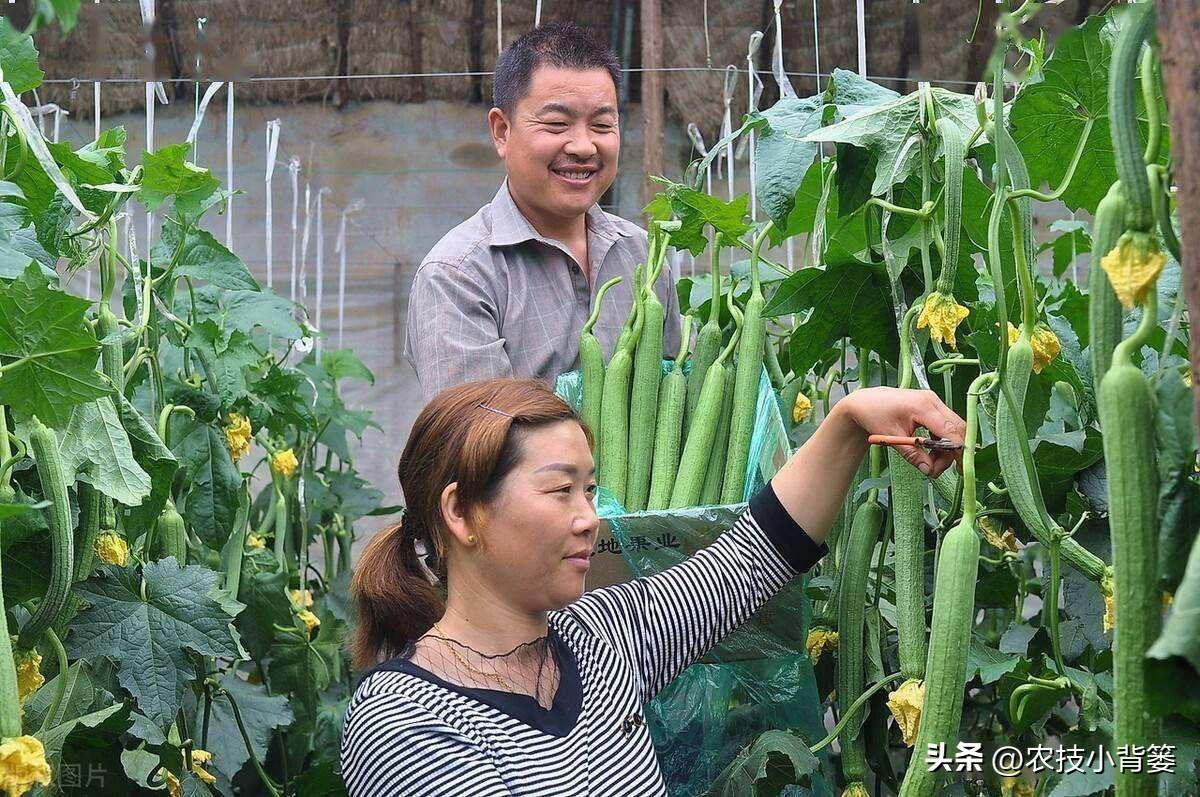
(759, 676)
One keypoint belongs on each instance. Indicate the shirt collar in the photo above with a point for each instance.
(510, 227)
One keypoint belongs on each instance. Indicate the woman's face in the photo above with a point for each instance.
(541, 527)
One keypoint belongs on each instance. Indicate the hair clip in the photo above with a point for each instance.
(493, 409)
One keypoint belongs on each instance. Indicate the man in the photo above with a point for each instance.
(506, 292)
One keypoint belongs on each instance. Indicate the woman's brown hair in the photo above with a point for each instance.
(470, 434)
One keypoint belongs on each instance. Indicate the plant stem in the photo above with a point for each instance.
(852, 710)
(272, 789)
(52, 720)
(1022, 193)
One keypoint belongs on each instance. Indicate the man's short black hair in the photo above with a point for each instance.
(561, 44)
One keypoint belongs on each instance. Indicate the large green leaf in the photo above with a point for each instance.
(344, 364)
(988, 663)
(96, 447)
(54, 351)
(243, 311)
(1178, 495)
(1048, 117)
(775, 760)
(267, 605)
(226, 354)
(261, 714)
(847, 300)
(885, 129)
(99, 730)
(851, 93)
(155, 458)
(197, 254)
(783, 154)
(167, 173)
(696, 210)
(305, 665)
(18, 59)
(1180, 636)
(19, 242)
(148, 622)
(212, 478)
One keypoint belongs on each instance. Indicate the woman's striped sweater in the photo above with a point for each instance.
(407, 732)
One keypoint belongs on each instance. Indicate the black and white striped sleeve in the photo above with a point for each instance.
(664, 622)
(392, 746)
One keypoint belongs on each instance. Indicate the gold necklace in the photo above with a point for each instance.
(466, 665)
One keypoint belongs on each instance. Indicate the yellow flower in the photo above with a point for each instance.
(301, 598)
(199, 759)
(1045, 347)
(820, 640)
(1168, 599)
(1133, 266)
(905, 704)
(1013, 334)
(29, 672)
(1110, 606)
(1005, 542)
(1011, 786)
(255, 541)
(942, 315)
(309, 619)
(283, 463)
(113, 549)
(237, 435)
(22, 764)
(801, 408)
(855, 790)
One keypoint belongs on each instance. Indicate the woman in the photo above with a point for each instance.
(516, 684)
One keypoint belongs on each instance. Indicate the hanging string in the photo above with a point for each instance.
(731, 74)
(320, 271)
(304, 246)
(817, 46)
(353, 207)
(785, 86)
(294, 172)
(752, 94)
(861, 14)
(707, 45)
(537, 20)
(229, 167)
(272, 147)
(198, 119)
(499, 26)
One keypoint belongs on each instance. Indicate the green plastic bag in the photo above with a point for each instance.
(759, 677)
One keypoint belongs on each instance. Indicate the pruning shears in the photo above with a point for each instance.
(933, 444)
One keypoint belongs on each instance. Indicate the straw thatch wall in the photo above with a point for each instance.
(247, 38)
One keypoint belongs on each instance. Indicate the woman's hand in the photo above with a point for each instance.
(898, 411)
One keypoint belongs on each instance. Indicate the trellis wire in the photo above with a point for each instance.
(294, 174)
(229, 166)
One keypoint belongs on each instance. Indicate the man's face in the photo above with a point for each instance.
(561, 145)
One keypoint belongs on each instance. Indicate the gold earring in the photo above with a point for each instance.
(471, 539)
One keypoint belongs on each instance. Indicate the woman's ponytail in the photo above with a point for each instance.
(393, 598)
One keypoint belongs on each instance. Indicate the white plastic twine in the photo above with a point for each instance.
(304, 246)
(537, 20)
(817, 46)
(727, 125)
(96, 105)
(272, 148)
(294, 173)
(861, 14)
(198, 119)
(320, 270)
(752, 94)
(229, 167)
(785, 85)
(340, 248)
(499, 26)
